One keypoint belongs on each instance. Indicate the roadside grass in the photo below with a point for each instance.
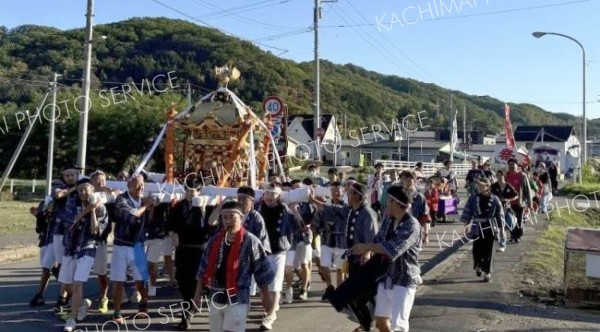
(15, 217)
(545, 263)
(585, 188)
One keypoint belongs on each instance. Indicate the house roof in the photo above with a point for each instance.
(551, 133)
(427, 144)
(482, 148)
(293, 140)
(308, 122)
(413, 144)
(422, 134)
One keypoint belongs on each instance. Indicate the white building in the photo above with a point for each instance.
(550, 144)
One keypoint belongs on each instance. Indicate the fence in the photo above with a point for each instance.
(428, 168)
(36, 186)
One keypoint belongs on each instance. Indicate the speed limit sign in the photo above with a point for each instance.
(273, 105)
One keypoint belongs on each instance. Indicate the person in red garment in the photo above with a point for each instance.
(520, 182)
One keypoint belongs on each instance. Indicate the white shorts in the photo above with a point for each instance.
(332, 257)
(59, 249)
(290, 256)
(101, 261)
(227, 317)
(278, 264)
(395, 304)
(157, 248)
(123, 257)
(67, 270)
(302, 255)
(75, 270)
(47, 259)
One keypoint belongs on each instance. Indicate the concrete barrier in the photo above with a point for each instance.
(18, 253)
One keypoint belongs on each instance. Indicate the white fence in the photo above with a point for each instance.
(35, 185)
(428, 168)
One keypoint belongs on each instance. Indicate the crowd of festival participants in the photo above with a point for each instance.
(257, 244)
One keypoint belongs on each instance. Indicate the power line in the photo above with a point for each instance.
(243, 9)
(285, 34)
(478, 14)
(392, 44)
(220, 30)
(246, 19)
(362, 34)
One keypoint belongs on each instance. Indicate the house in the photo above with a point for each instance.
(420, 150)
(550, 144)
(473, 136)
(485, 151)
(489, 139)
(301, 130)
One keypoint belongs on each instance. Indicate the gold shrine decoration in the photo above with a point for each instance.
(226, 74)
(169, 145)
(235, 147)
(263, 161)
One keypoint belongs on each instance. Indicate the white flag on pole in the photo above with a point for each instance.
(454, 139)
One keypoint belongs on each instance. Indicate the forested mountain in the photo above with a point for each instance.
(142, 48)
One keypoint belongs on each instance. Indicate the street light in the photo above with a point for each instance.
(538, 34)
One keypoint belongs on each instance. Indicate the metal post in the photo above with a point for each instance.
(452, 117)
(13, 160)
(189, 94)
(584, 116)
(85, 88)
(49, 162)
(584, 161)
(335, 139)
(408, 146)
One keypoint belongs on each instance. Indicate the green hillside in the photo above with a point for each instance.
(143, 48)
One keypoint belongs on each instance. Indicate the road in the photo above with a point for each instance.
(18, 283)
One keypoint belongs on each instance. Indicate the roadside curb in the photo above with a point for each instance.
(439, 265)
(20, 253)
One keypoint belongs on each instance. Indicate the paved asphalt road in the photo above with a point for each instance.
(18, 282)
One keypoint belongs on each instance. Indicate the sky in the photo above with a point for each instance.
(480, 47)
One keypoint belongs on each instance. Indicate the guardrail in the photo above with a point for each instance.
(428, 168)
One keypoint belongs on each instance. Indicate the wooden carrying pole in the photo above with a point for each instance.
(169, 145)
(234, 152)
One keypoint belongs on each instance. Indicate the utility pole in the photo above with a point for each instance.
(49, 163)
(317, 78)
(317, 84)
(85, 87)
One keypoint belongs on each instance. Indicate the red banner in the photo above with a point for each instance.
(508, 132)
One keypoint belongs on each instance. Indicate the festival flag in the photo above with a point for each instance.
(508, 132)
(454, 139)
